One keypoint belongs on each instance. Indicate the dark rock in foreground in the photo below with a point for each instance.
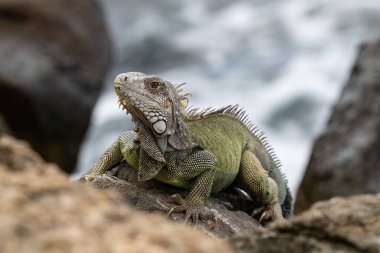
(349, 225)
(53, 57)
(346, 158)
(41, 211)
(153, 196)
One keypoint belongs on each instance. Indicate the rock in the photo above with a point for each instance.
(4, 129)
(41, 211)
(18, 156)
(346, 158)
(349, 225)
(154, 196)
(54, 54)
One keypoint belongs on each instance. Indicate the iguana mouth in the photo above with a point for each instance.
(155, 119)
(145, 111)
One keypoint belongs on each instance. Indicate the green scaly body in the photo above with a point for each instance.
(215, 149)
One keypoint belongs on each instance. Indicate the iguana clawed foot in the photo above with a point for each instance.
(272, 212)
(193, 211)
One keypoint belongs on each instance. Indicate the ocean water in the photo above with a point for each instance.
(285, 62)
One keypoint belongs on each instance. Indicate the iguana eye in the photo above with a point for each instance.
(154, 84)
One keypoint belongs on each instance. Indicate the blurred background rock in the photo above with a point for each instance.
(53, 57)
(346, 158)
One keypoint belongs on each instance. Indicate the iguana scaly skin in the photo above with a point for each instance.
(204, 151)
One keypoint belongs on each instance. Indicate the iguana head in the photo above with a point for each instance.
(156, 103)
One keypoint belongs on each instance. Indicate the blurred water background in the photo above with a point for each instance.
(284, 61)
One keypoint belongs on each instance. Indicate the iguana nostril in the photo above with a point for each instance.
(117, 81)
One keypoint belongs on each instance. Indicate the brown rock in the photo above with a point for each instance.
(346, 158)
(154, 196)
(53, 56)
(18, 156)
(41, 211)
(346, 225)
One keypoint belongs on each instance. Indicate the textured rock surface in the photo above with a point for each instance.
(154, 196)
(346, 225)
(53, 56)
(346, 158)
(41, 211)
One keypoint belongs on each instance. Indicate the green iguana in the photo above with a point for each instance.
(201, 150)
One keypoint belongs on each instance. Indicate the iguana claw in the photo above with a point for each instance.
(193, 211)
(177, 199)
(272, 211)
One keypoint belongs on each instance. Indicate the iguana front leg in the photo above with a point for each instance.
(198, 166)
(110, 158)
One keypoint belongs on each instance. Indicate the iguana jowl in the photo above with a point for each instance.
(204, 151)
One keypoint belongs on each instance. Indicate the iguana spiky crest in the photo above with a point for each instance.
(242, 117)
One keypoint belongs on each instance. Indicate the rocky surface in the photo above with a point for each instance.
(346, 158)
(154, 196)
(41, 211)
(54, 54)
(349, 225)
